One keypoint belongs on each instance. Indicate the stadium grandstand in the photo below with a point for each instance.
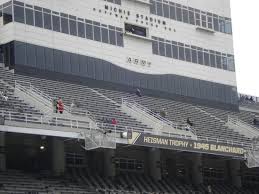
(123, 97)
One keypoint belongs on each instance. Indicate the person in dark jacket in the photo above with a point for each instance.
(138, 92)
(189, 122)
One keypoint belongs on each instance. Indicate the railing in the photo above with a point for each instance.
(75, 124)
(28, 88)
(236, 121)
(155, 116)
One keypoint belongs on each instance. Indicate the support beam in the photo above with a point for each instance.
(109, 165)
(234, 167)
(154, 163)
(58, 156)
(196, 173)
(2, 152)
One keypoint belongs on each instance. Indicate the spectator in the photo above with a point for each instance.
(4, 95)
(55, 105)
(72, 105)
(114, 121)
(255, 121)
(251, 99)
(60, 106)
(209, 190)
(189, 122)
(138, 92)
(163, 113)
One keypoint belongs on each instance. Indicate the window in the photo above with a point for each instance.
(161, 48)
(137, 30)
(97, 33)
(119, 37)
(168, 50)
(185, 15)
(89, 31)
(197, 18)
(231, 63)
(194, 55)
(203, 20)
(81, 29)
(38, 19)
(152, 7)
(179, 15)
(7, 15)
(105, 36)
(56, 23)
(172, 11)
(166, 10)
(18, 14)
(216, 23)
(181, 52)
(188, 54)
(72, 27)
(191, 16)
(206, 58)
(221, 24)
(200, 56)
(29, 17)
(112, 37)
(224, 61)
(228, 26)
(212, 59)
(64, 25)
(209, 18)
(175, 51)
(47, 21)
(159, 9)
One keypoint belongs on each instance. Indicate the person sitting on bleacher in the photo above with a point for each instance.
(163, 113)
(114, 121)
(138, 92)
(4, 95)
(255, 122)
(60, 106)
(189, 122)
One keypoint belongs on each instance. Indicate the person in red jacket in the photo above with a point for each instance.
(60, 106)
(114, 122)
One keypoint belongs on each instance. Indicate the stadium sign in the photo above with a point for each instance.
(190, 145)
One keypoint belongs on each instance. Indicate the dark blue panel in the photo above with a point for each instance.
(49, 59)
(40, 57)
(66, 62)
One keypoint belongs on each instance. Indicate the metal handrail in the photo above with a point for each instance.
(151, 115)
(235, 120)
(36, 119)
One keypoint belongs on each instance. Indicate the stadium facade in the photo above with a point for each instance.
(94, 54)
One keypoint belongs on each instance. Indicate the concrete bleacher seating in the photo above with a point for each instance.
(205, 122)
(79, 181)
(209, 123)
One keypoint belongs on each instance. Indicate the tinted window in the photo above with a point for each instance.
(155, 47)
(198, 19)
(73, 28)
(81, 29)
(212, 60)
(218, 61)
(29, 17)
(89, 31)
(105, 38)
(159, 9)
(224, 62)
(166, 10)
(179, 15)
(185, 16)
(175, 51)
(181, 53)
(56, 23)
(216, 23)
(119, 37)
(188, 54)
(31, 55)
(7, 15)
(152, 7)
(168, 50)
(161, 48)
(200, 57)
(19, 14)
(206, 58)
(191, 17)
(194, 56)
(97, 33)
(172, 12)
(47, 21)
(112, 37)
(64, 25)
(38, 19)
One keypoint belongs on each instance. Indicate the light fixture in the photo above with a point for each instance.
(42, 147)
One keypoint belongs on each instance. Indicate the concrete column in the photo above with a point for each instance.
(58, 156)
(2, 152)
(154, 163)
(234, 167)
(196, 173)
(109, 165)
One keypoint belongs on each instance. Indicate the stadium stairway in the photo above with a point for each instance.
(87, 99)
(206, 124)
